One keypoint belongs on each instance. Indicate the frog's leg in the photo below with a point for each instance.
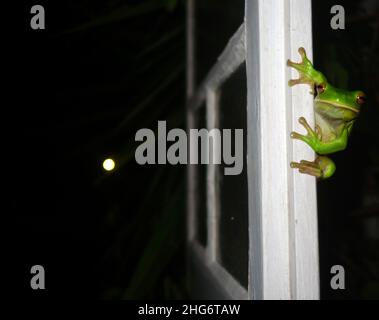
(308, 74)
(322, 167)
(313, 139)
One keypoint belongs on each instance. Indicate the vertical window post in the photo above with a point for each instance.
(282, 202)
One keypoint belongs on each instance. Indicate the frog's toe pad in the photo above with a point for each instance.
(302, 52)
(302, 121)
(293, 82)
(295, 135)
(307, 167)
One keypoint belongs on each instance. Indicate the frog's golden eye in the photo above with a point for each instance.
(361, 98)
(320, 88)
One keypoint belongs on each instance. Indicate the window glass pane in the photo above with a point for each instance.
(233, 214)
(216, 22)
(201, 187)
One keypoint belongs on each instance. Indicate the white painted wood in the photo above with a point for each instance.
(212, 106)
(282, 203)
(305, 234)
(283, 258)
(267, 150)
(217, 277)
(221, 283)
(230, 59)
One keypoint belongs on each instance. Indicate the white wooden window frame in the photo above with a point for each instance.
(283, 240)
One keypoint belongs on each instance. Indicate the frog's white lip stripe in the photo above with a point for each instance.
(338, 105)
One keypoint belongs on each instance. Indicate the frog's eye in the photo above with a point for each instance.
(320, 88)
(361, 98)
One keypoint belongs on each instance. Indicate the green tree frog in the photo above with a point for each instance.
(335, 113)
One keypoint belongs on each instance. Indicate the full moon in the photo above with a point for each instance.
(108, 164)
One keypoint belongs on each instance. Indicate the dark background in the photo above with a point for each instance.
(79, 91)
(348, 203)
(76, 94)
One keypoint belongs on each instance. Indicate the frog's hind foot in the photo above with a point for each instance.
(307, 167)
(321, 168)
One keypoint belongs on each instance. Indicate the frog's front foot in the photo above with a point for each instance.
(303, 67)
(307, 74)
(321, 168)
(312, 137)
